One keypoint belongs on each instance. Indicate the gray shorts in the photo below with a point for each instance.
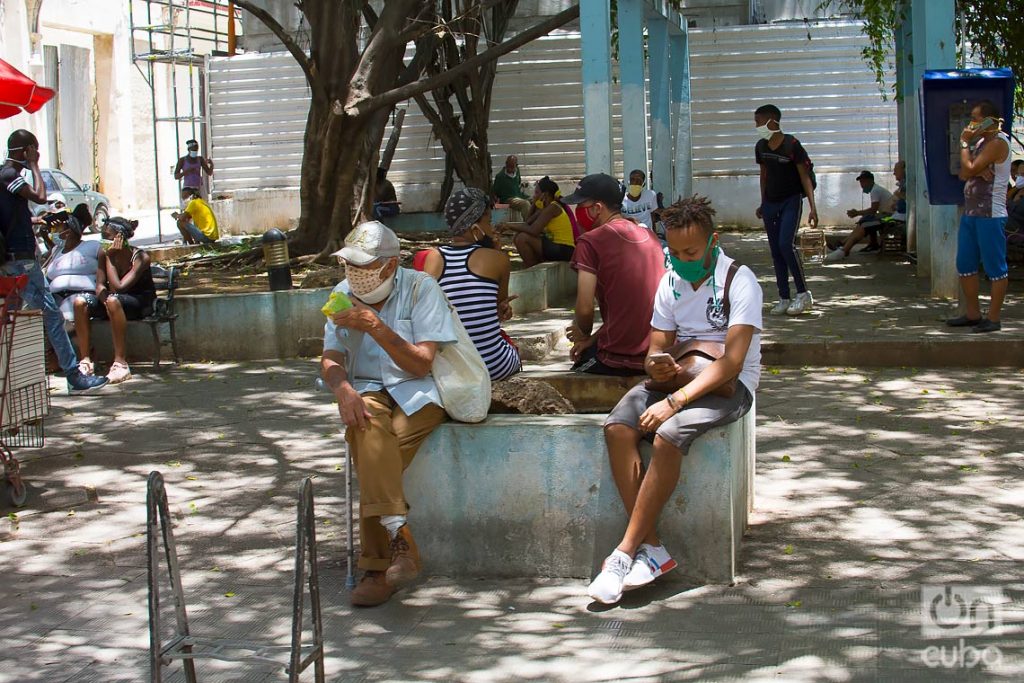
(682, 428)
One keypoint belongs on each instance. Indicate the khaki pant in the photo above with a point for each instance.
(381, 454)
(520, 206)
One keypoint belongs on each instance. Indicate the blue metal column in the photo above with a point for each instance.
(679, 64)
(906, 119)
(595, 27)
(661, 105)
(934, 47)
(631, 75)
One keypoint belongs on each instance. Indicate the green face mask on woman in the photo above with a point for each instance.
(695, 271)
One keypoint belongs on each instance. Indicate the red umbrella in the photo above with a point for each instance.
(19, 92)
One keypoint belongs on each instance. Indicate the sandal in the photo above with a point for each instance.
(85, 367)
(119, 372)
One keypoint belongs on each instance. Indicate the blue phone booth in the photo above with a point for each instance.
(947, 97)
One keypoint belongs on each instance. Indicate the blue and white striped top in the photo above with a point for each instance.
(475, 298)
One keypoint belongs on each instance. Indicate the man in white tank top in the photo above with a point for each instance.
(985, 166)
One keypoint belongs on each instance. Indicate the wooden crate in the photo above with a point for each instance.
(812, 245)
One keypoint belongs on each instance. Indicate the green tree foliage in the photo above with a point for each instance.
(990, 31)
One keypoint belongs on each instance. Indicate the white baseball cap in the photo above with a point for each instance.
(368, 242)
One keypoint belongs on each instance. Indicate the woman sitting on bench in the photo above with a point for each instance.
(124, 291)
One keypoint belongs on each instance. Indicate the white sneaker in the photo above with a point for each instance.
(607, 586)
(801, 304)
(650, 563)
(837, 255)
(780, 308)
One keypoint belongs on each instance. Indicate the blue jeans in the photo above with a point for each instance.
(37, 295)
(781, 220)
(198, 234)
(381, 211)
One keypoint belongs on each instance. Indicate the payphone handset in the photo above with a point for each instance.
(959, 118)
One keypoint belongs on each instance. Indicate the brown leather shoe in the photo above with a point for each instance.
(405, 559)
(372, 590)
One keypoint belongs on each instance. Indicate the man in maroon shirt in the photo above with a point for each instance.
(620, 263)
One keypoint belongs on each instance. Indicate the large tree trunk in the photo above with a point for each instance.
(463, 132)
(352, 93)
(338, 171)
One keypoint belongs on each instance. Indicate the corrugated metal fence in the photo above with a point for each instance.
(814, 73)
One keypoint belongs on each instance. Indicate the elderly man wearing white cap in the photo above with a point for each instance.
(377, 360)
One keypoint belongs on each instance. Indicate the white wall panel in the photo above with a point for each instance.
(814, 73)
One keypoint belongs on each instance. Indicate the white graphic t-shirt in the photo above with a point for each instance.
(640, 209)
(699, 315)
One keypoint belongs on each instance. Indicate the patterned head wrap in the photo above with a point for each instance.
(464, 208)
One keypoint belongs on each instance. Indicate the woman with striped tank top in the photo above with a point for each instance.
(474, 275)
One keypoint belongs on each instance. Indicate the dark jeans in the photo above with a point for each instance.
(781, 220)
(385, 210)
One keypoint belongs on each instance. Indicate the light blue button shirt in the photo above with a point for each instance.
(369, 366)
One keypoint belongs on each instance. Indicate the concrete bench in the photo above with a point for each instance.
(526, 495)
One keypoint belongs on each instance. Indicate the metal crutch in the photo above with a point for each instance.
(350, 576)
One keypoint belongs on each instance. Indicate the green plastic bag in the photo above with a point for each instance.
(336, 303)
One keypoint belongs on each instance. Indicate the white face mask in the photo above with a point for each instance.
(193, 153)
(366, 284)
(765, 133)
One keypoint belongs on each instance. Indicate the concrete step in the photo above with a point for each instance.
(541, 334)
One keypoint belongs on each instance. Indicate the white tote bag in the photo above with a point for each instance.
(459, 372)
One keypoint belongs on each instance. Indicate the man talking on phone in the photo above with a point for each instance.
(706, 296)
(18, 254)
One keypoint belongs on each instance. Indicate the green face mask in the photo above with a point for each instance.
(695, 271)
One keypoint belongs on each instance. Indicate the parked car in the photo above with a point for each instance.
(59, 182)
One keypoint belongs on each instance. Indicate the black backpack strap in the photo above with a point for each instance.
(788, 143)
(733, 267)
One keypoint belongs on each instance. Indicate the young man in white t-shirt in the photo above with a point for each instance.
(639, 203)
(690, 303)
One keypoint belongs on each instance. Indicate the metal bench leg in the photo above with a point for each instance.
(174, 344)
(156, 345)
(158, 526)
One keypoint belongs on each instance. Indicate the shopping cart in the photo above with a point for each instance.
(24, 391)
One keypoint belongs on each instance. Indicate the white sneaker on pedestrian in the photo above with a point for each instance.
(606, 587)
(837, 255)
(780, 308)
(801, 304)
(650, 563)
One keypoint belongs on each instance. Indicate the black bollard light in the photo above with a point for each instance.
(275, 254)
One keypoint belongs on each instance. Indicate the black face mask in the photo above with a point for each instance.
(487, 242)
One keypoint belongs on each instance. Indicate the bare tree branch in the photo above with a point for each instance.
(369, 16)
(282, 34)
(392, 97)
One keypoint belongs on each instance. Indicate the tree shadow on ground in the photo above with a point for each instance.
(869, 485)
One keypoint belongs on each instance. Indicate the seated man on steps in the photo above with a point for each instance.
(703, 297)
(377, 360)
(870, 218)
(618, 263)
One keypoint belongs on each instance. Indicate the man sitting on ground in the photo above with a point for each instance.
(870, 218)
(508, 189)
(695, 300)
(196, 223)
(620, 263)
(385, 199)
(377, 360)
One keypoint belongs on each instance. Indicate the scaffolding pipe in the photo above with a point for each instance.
(168, 52)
